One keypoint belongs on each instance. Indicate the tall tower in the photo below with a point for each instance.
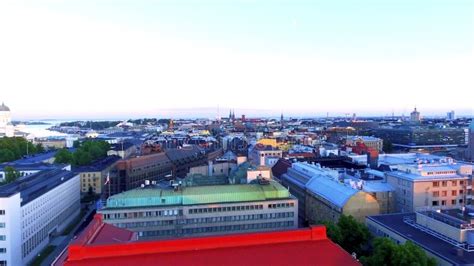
(282, 121)
(415, 116)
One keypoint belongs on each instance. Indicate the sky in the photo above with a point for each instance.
(124, 59)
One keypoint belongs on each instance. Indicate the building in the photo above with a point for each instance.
(370, 142)
(415, 116)
(434, 184)
(446, 235)
(418, 137)
(259, 154)
(470, 146)
(52, 143)
(34, 208)
(327, 199)
(7, 129)
(26, 169)
(322, 197)
(102, 244)
(123, 149)
(183, 159)
(163, 212)
(93, 177)
(451, 116)
(132, 173)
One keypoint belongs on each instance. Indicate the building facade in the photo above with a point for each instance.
(34, 208)
(93, 177)
(260, 154)
(431, 185)
(370, 142)
(132, 173)
(155, 212)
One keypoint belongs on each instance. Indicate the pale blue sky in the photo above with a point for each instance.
(134, 58)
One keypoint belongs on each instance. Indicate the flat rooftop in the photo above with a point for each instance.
(33, 186)
(152, 196)
(396, 224)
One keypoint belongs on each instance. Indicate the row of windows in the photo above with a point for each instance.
(445, 193)
(249, 217)
(226, 209)
(444, 202)
(281, 205)
(131, 215)
(445, 183)
(240, 218)
(212, 229)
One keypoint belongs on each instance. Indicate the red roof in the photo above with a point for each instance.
(308, 246)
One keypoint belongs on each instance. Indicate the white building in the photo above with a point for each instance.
(34, 208)
(7, 129)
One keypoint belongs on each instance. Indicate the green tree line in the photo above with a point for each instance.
(15, 148)
(86, 153)
(354, 237)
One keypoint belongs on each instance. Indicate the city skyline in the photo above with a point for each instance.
(101, 60)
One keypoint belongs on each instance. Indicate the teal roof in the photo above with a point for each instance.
(152, 196)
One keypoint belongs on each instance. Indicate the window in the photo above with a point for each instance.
(2, 225)
(461, 183)
(435, 203)
(436, 184)
(435, 194)
(453, 202)
(3, 250)
(3, 237)
(454, 183)
(3, 263)
(454, 193)
(2, 212)
(443, 203)
(444, 183)
(444, 193)
(461, 192)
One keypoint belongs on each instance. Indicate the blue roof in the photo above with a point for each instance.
(33, 186)
(331, 190)
(377, 187)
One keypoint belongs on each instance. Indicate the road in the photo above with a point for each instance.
(65, 242)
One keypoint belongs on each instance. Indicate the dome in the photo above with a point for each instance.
(4, 108)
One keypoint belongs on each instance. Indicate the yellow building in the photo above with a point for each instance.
(327, 200)
(93, 177)
(268, 142)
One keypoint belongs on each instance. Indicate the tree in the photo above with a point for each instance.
(386, 252)
(39, 148)
(63, 156)
(11, 174)
(355, 236)
(333, 232)
(82, 157)
(387, 146)
(6, 155)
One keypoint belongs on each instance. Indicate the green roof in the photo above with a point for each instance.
(150, 196)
